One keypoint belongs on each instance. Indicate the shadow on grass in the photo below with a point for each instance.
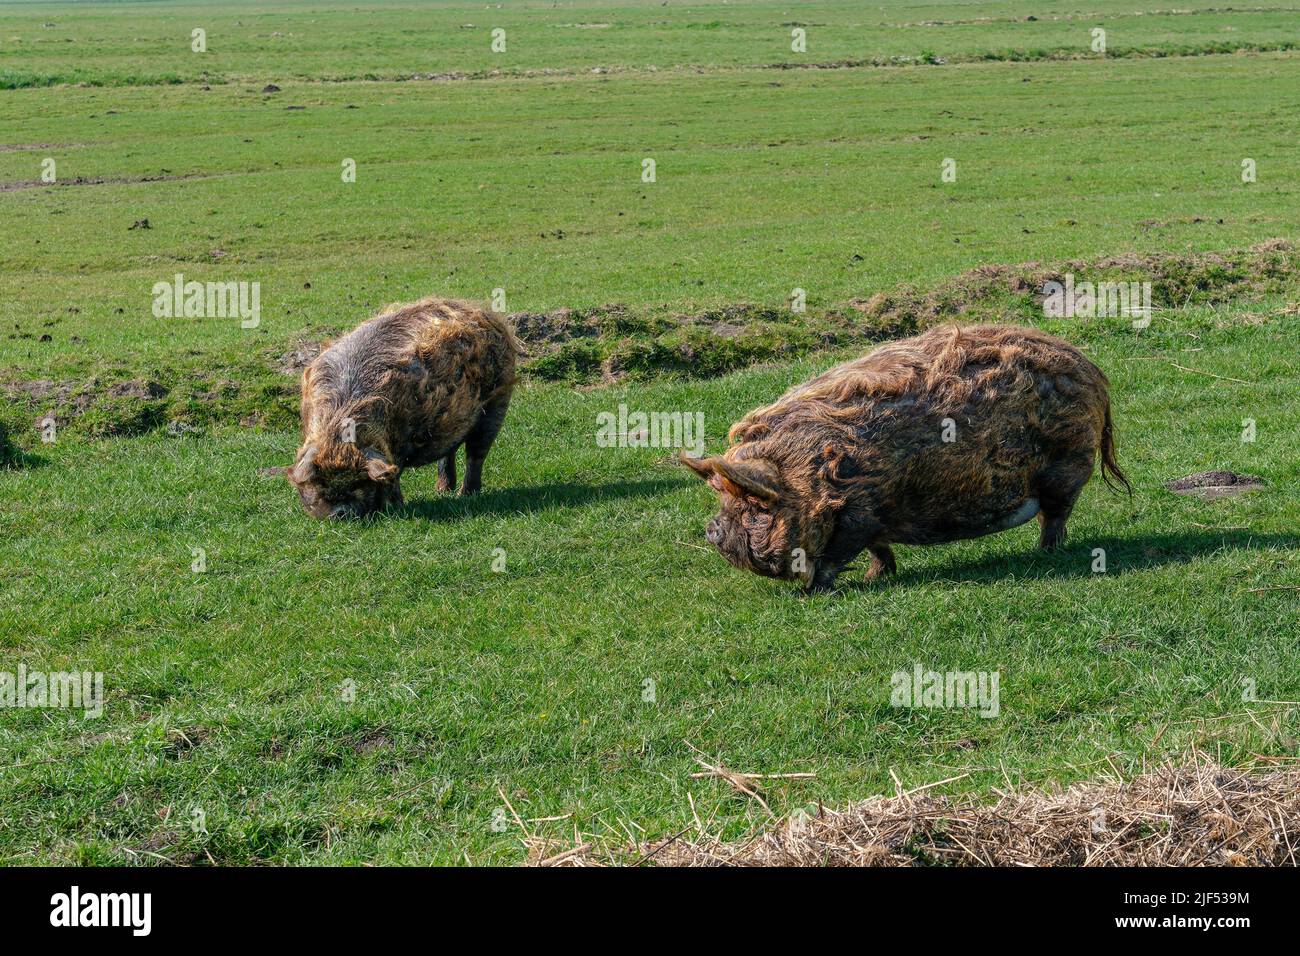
(15, 459)
(533, 498)
(1075, 560)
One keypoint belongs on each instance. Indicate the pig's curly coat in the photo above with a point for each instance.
(412, 383)
(857, 458)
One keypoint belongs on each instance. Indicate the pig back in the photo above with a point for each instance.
(939, 437)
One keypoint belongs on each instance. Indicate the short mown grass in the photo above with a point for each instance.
(98, 44)
(378, 692)
(226, 689)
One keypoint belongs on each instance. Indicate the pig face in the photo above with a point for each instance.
(758, 528)
(343, 481)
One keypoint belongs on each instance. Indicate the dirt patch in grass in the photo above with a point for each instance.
(540, 333)
(181, 740)
(590, 347)
(300, 356)
(24, 147)
(1176, 280)
(372, 741)
(181, 401)
(610, 343)
(163, 845)
(16, 185)
(1191, 814)
(1030, 55)
(136, 389)
(129, 407)
(1215, 484)
(36, 390)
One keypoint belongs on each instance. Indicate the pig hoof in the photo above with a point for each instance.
(1052, 537)
(822, 581)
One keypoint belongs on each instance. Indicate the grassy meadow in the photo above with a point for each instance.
(128, 43)
(564, 646)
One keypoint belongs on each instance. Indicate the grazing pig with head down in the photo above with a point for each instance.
(403, 389)
(956, 433)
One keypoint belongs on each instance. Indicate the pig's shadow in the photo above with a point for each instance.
(1075, 560)
(529, 499)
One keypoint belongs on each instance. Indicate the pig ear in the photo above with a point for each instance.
(305, 468)
(701, 466)
(378, 469)
(754, 476)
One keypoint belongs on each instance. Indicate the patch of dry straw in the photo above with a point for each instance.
(1195, 813)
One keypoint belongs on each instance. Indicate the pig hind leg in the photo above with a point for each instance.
(1058, 489)
(479, 442)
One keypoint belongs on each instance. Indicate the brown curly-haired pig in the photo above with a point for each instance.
(956, 433)
(403, 389)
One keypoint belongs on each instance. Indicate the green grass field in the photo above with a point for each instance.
(127, 43)
(229, 691)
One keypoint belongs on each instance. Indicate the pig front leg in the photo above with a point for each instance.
(843, 548)
(823, 578)
(391, 496)
(447, 471)
(826, 568)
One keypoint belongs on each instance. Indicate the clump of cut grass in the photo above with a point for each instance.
(1193, 813)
